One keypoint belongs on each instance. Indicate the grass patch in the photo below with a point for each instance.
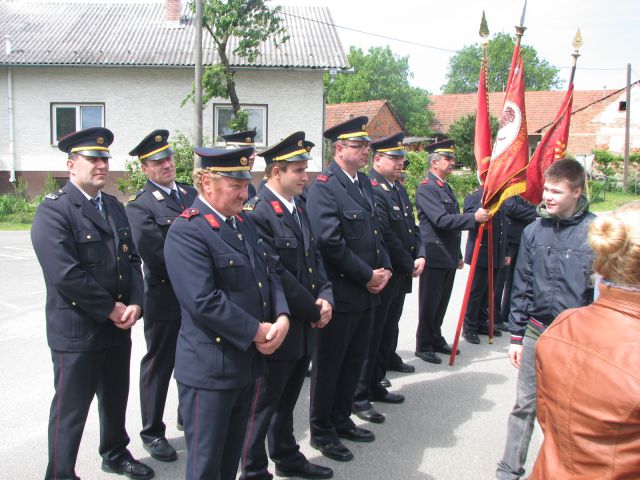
(612, 200)
(14, 226)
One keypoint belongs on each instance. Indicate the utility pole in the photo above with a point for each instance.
(197, 46)
(625, 177)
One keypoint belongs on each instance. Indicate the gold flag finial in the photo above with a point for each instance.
(577, 40)
(484, 28)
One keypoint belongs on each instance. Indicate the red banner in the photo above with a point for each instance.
(482, 137)
(510, 156)
(552, 147)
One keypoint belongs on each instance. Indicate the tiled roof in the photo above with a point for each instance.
(541, 106)
(130, 33)
(340, 112)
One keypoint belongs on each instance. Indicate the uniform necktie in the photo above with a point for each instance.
(296, 216)
(176, 197)
(97, 202)
(231, 221)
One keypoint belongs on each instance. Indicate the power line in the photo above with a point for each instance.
(424, 45)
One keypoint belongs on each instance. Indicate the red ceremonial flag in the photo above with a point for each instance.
(552, 147)
(482, 137)
(510, 156)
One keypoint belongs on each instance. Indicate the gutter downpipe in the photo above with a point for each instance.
(12, 152)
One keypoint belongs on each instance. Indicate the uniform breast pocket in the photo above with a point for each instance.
(165, 222)
(354, 223)
(89, 245)
(286, 242)
(233, 270)
(395, 215)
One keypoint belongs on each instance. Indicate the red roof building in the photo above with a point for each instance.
(382, 120)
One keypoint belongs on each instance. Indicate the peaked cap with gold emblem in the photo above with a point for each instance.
(90, 142)
(230, 163)
(154, 146)
(293, 148)
(353, 129)
(391, 145)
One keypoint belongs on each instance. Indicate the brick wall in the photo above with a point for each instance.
(383, 124)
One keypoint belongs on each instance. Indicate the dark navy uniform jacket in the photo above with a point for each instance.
(472, 203)
(400, 232)
(151, 212)
(348, 235)
(441, 222)
(89, 263)
(519, 213)
(298, 264)
(225, 289)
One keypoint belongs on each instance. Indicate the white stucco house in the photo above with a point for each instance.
(128, 66)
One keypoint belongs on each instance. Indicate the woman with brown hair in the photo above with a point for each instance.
(588, 366)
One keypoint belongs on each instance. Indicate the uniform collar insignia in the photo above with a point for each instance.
(213, 221)
(277, 207)
(158, 195)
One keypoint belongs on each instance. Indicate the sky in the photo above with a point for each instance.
(610, 33)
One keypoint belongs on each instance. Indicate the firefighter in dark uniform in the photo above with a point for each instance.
(341, 208)
(151, 212)
(233, 311)
(83, 242)
(402, 239)
(440, 225)
(245, 138)
(283, 224)
(476, 317)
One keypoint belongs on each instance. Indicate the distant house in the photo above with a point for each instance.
(382, 120)
(128, 66)
(597, 121)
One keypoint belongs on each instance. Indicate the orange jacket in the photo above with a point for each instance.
(588, 391)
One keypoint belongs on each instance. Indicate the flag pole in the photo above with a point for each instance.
(467, 291)
(491, 278)
(519, 33)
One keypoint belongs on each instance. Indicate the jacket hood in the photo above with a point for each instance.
(581, 211)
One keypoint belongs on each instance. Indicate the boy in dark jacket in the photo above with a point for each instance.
(553, 273)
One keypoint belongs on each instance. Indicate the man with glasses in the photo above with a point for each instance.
(441, 224)
(341, 208)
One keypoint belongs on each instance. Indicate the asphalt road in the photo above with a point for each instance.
(451, 427)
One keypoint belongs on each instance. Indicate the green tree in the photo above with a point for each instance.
(463, 132)
(464, 67)
(250, 23)
(382, 75)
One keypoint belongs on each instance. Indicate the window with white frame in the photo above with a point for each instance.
(257, 120)
(70, 117)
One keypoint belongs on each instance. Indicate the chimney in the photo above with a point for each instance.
(172, 11)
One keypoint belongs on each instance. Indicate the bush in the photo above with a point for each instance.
(16, 207)
(463, 184)
(134, 179)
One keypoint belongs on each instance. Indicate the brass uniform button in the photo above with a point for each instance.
(88, 237)
(73, 303)
(218, 339)
(260, 284)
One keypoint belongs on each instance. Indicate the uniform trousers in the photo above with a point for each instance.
(337, 363)
(505, 308)
(272, 418)
(385, 324)
(434, 293)
(214, 426)
(155, 374)
(78, 377)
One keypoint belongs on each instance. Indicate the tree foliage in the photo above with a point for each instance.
(463, 132)
(382, 75)
(464, 67)
(251, 23)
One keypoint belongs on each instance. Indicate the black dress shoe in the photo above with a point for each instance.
(357, 434)
(446, 350)
(389, 397)
(402, 368)
(430, 357)
(335, 451)
(370, 415)
(129, 468)
(308, 470)
(161, 450)
(471, 337)
(385, 382)
(503, 327)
